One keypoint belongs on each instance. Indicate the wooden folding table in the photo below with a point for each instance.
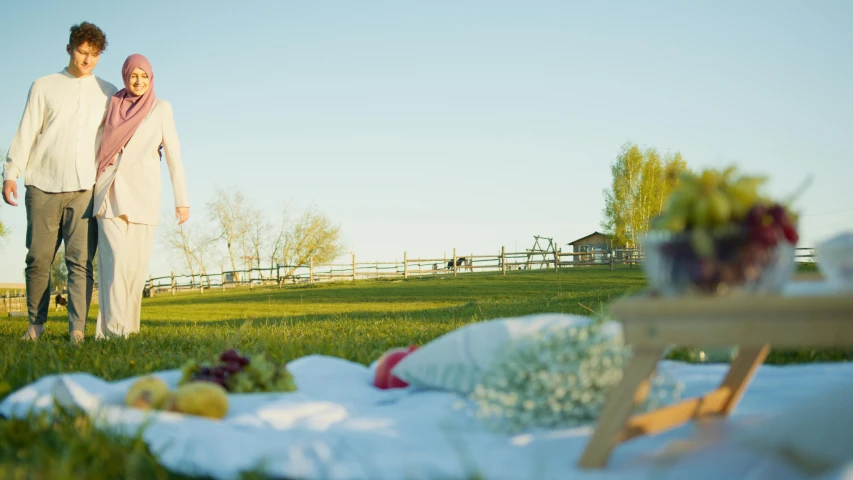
(811, 318)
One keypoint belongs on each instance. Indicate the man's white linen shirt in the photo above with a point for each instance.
(57, 142)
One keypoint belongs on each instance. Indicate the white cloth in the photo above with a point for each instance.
(135, 176)
(338, 426)
(57, 141)
(124, 250)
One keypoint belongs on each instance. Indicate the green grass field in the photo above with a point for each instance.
(353, 320)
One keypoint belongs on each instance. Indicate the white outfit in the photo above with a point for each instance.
(60, 130)
(127, 199)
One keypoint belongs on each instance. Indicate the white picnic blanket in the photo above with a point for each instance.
(338, 426)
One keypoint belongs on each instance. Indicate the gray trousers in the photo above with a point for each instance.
(53, 218)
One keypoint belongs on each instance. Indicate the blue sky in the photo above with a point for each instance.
(424, 126)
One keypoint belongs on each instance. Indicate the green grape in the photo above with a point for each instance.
(700, 214)
(719, 208)
(672, 223)
(188, 371)
(702, 243)
(709, 181)
(728, 174)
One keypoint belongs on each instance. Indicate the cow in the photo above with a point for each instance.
(461, 261)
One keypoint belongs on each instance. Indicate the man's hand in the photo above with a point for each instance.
(182, 214)
(10, 191)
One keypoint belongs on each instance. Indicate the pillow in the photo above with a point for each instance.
(815, 435)
(457, 360)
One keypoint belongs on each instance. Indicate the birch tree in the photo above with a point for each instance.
(620, 201)
(641, 183)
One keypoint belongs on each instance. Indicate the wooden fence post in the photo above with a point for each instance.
(278, 274)
(406, 265)
(222, 279)
(556, 258)
(353, 267)
(454, 262)
(250, 278)
(612, 254)
(311, 270)
(172, 287)
(150, 285)
(503, 260)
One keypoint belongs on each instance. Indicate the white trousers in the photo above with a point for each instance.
(124, 250)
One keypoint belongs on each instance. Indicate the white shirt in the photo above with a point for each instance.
(131, 187)
(57, 141)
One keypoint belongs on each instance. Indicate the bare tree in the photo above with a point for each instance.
(230, 212)
(311, 236)
(193, 245)
(276, 237)
(257, 235)
(177, 239)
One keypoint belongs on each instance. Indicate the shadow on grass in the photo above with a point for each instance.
(475, 287)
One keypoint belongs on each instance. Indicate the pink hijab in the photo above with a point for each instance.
(125, 113)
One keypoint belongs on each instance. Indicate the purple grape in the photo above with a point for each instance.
(777, 212)
(756, 216)
(230, 355)
(233, 367)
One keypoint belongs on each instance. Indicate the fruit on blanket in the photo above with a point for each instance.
(238, 373)
(147, 393)
(205, 399)
(383, 378)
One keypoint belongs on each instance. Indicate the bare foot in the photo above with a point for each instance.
(34, 332)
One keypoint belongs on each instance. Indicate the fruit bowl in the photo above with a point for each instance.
(719, 235)
(835, 260)
(715, 264)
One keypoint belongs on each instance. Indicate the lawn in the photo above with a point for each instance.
(354, 320)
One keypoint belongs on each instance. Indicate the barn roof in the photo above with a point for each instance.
(587, 236)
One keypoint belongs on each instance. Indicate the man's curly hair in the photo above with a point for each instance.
(88, 33)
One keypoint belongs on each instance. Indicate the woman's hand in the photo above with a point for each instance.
(182, 214)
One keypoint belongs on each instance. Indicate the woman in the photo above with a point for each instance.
(127, 194)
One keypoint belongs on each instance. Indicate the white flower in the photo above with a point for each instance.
(557, 380)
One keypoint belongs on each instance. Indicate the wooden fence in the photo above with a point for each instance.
(502, 261)
(13, 303)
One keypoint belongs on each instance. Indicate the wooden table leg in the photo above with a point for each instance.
(621, 402)
(742, 369)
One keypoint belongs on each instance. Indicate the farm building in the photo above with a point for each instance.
(597, 243)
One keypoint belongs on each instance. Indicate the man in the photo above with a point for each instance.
(56, 148)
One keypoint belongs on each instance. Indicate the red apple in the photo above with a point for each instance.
(383, 378)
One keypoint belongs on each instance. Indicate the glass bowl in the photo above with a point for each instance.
(835, 260)
(733, 262)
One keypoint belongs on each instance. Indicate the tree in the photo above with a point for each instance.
(619, 208)
(230, 212)
(257, 235)
(641, 184)
(311, 236)
(192, 245)
(276, 237)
